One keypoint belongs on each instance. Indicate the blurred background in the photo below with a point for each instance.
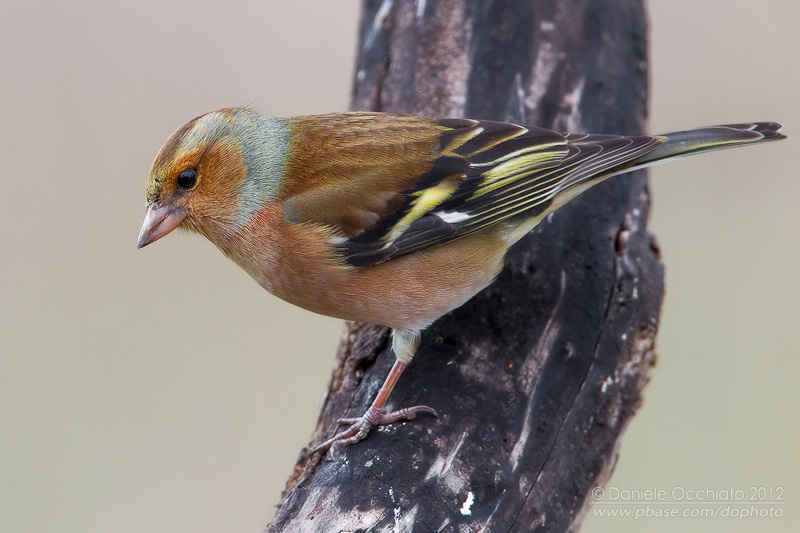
(162, 390)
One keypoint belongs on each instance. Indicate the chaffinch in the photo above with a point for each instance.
(382, 218)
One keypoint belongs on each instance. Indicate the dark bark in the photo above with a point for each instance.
(535, 378)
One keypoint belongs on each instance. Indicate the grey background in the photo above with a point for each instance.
(162, 390)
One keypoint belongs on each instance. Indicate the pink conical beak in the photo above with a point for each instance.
(159, 221)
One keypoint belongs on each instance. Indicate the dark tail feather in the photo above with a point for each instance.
(683, 143)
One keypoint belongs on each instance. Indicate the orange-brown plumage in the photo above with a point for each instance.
(392, 150)
(296, 263)
(361, 164)
(388, 219)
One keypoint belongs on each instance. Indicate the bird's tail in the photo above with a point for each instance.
(683, 143)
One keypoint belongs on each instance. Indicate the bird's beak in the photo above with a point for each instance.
(159, 221)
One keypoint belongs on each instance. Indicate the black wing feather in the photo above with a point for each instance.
(487, 172)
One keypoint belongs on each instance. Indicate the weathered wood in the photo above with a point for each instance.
(535, 378)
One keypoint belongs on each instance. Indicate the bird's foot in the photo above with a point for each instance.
(359, 427)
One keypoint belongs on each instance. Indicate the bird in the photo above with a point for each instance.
(385, 218)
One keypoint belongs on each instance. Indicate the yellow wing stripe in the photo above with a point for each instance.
(512, 167)
(521, 152)
(499, 140)
(426, 201)
(512, 204)
(461, 140)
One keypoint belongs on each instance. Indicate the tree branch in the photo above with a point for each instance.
(535, 378)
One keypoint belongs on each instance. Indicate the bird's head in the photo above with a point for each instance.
(214, 172)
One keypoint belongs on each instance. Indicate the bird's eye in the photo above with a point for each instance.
(187, 178)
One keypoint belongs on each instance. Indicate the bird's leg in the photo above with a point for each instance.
(404, 344)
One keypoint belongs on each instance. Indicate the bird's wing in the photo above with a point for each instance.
(479, 173)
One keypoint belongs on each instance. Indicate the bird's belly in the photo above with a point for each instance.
(410, 291)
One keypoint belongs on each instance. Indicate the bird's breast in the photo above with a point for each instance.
(297, 263)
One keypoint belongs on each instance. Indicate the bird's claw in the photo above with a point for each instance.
(359, 427)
